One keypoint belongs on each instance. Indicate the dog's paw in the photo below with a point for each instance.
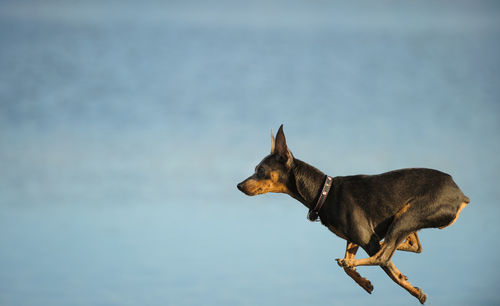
(422, 296)
(345, 263)
(367, 286)
(363, 282)
(360, 280)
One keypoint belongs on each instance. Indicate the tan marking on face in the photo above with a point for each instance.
(255, 187)
(274, 176)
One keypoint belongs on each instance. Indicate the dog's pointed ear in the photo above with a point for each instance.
(282, 149)
(273, 142)
(280, 143)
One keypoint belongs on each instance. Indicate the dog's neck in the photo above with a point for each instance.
(307, 182)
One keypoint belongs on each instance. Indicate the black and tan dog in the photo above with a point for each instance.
(364, 209)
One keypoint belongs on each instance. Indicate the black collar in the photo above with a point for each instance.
(314, 212)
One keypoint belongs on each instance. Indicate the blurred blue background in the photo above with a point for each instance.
(125, 126)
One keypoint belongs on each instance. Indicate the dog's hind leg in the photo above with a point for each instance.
(402, 280)
(411, 244)
(350, 253)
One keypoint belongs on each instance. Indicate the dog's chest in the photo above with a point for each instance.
(337, 232)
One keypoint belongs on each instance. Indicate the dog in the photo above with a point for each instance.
(379, 213)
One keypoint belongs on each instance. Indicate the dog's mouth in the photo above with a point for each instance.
(243, 188)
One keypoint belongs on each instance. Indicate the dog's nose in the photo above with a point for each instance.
(240, 185)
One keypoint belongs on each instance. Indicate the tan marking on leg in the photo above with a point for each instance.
(456, 216)
(370, 261)
(402, 280)
(350, 253)
(351, 250)
(411, 244)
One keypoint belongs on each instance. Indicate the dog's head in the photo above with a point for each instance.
(272, 173)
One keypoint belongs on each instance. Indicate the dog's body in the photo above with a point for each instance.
(365, 209)
(370, 202)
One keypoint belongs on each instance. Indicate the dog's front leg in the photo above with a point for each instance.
(350, 253)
